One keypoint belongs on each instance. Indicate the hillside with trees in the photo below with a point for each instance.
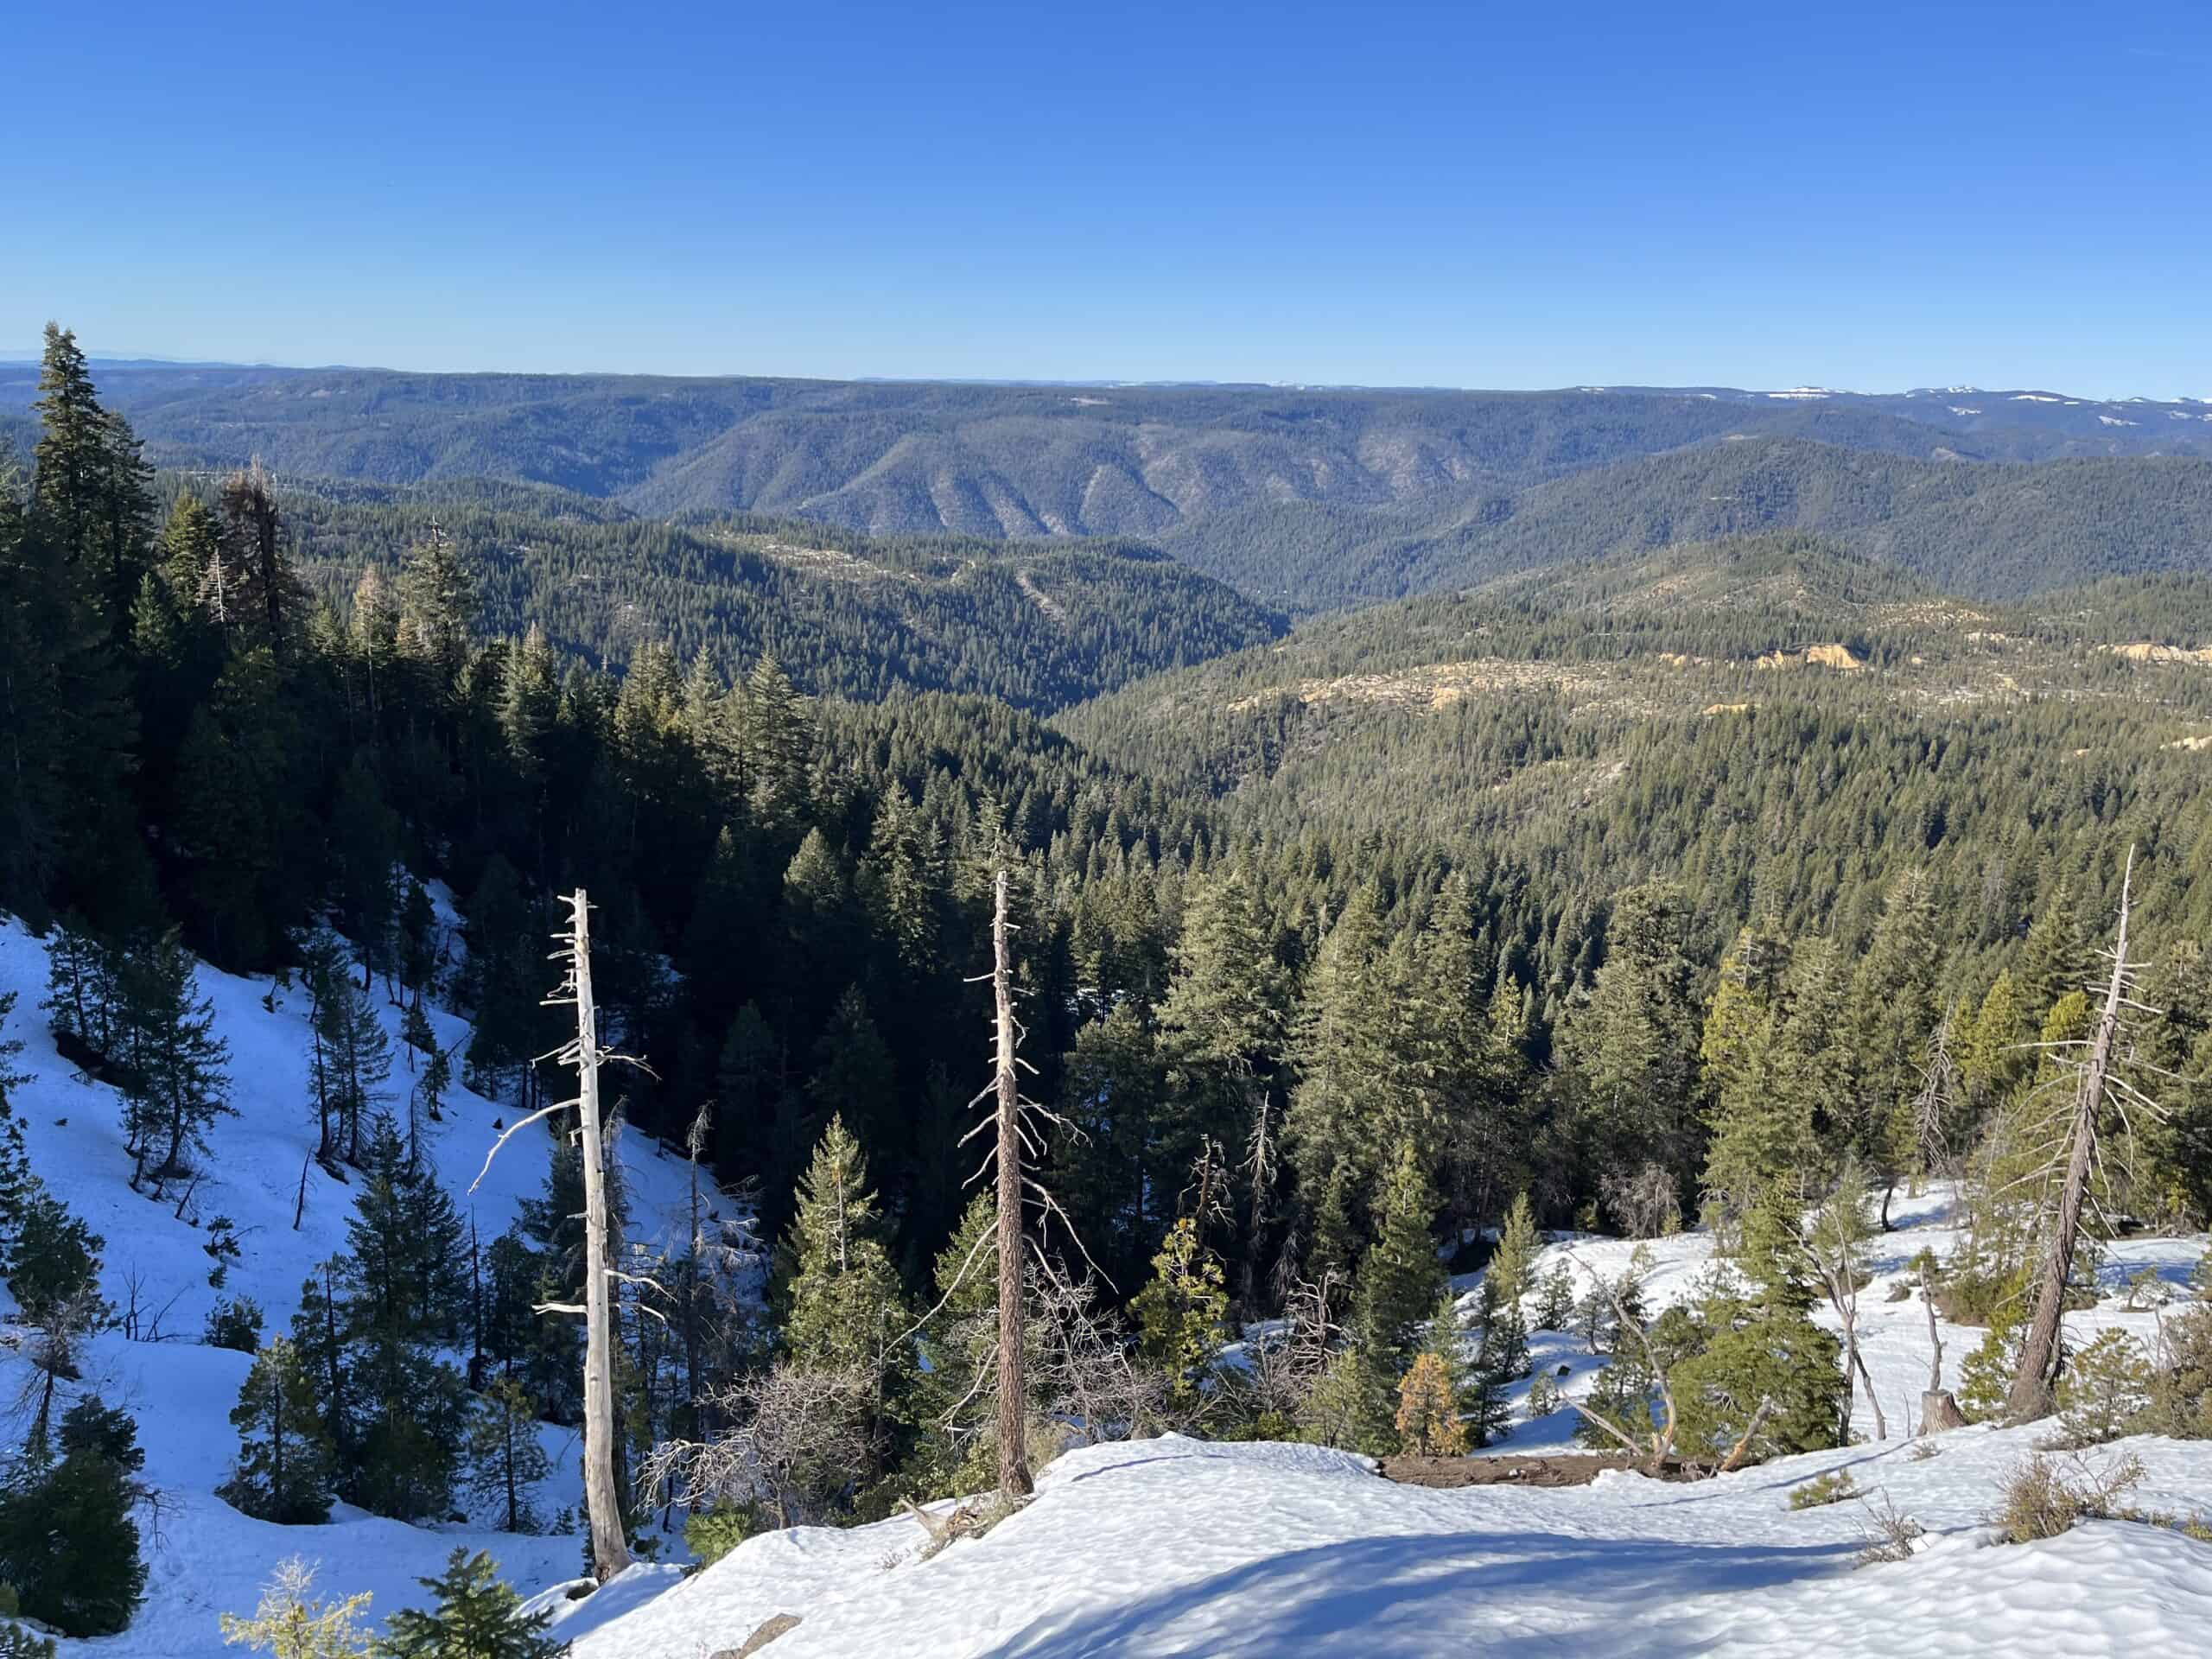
(1757, 884)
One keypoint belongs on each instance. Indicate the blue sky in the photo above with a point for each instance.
(1869, 195)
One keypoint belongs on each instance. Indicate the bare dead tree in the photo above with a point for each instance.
(610, 1549)
(1937, 1097)
(800, 1431)
(1655, 1446)
(2074, 1160)
(1939, 1406)
(1084, 1377)
(1836, 1251)
(1014, 1481)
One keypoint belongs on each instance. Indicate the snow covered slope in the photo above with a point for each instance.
(1178, 1546)
(208, 1559)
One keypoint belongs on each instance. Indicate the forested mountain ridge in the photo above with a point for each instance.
(1302, 498)
(1039, 625)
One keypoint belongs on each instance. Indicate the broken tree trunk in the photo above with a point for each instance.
(1939, 1406)
(2033, 1383)
(1014, 1480)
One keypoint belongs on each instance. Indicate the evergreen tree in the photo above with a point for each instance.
(1889, 1018)
(774, 744)
(1762, 1125)
(1400, 1279)
(1180, 1314)
(505, 1460)
(1512, 1274)
(176, 1084)
(67, 1540)
(290, 1622)
(401, 1284)
(845, 1302)
(476, 1617)
(1501, 1360)
(284, 1464)
(1634, 1043)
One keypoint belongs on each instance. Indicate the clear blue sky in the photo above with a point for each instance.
(1872, 196)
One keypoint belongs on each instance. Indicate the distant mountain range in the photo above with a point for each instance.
(1305, 498)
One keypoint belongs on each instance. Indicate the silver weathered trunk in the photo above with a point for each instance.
(610, 1550)
(2035, 1380)
(1014, 1480)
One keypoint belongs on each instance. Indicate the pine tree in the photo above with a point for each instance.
(176, 1084)
(1180, 1312)
(437, 608)
(68, 729)
(955, 1398)
(1340, 1042)
(896, 888)
(504, 1458)
(68, 1540)
(1889, 1016)
(285, 1460)
(1634, 1043)
(774, 744)
(1762, 1127)
(853, 1076)
(271, 598)
(476, 1617)
(1501, 1360)
(358, 1056)
(1512, 1268)
(91, 492)
(402, 1287)
(845, 1302)
(290, 1622)
(1401, 1278)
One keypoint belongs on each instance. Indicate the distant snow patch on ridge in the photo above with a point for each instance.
(2114, 420)
(2035, 397)
(1803, 392)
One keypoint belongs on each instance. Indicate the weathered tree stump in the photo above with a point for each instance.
(1938, 1410)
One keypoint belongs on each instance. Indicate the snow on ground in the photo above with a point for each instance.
(1892, 1335)
(206, 1559)
(1179, 1546)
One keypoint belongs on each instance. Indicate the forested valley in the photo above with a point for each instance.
(1751, 881)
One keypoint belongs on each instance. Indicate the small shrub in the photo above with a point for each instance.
(1986, 1376)
(1544, 1397)
(1831, 1488)
(2181, 1390)
(1887, 1533)
(2042, 1499)
(1428, 1417)
(2104, 1392)
(235, 1325)
(712, 1534)
(1925, 1449)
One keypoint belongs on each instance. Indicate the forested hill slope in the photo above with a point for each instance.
(1985, 531)
(1302, 498)
(1772, 720)
(1038, 625)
